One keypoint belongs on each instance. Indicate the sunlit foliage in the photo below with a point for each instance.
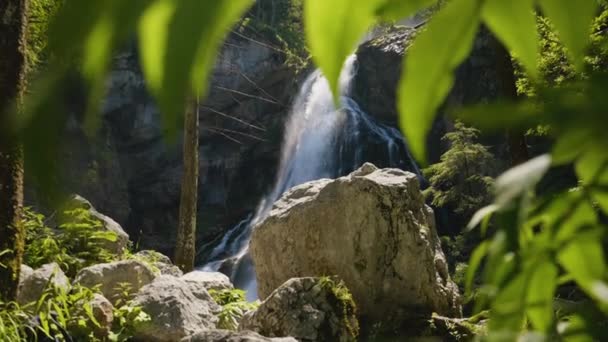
(538, 241)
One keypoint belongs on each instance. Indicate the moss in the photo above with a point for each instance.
(41, 13)
(411, 327)
(343, 299)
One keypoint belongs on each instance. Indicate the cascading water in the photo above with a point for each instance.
(320, 141)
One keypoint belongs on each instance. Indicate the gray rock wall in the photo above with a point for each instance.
(132, 173)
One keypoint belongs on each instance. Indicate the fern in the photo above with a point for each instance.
(234, 307)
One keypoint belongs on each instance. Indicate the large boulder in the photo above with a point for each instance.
(33, 283)
(309, 309)
(103, 311)
(159, 262)
(107, 223)
(218, 335)
(209, 280)
(113, 277)
(176, 311)
(371, 229)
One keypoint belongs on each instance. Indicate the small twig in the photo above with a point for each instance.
(234, 118)
(240, 133)
(257, 86)
(247, 95)
(223, 134)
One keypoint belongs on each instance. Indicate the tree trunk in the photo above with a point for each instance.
(186, 231)
(516, 140)
(13, 23)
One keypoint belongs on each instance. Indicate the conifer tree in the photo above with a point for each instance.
(461, 181)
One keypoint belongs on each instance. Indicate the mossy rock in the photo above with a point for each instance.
(425, 328)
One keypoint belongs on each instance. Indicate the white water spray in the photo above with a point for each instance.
(320, 141)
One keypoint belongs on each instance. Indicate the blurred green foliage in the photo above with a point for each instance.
(537, 242)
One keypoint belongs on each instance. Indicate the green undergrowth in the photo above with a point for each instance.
(234, 306)
(67, 315)
(150, 259)
(79, 241)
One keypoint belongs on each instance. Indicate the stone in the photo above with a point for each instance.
(108, 224)
(209, 280)
(33, 283)
(133, 175)
(175, 311)
(232, 336)
(308, 309)
(372, 229)
(103, 313)
(112, 276)
(25, 272)
(160, 262)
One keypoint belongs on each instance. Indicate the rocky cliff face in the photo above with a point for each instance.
(133, 173)
(379, 71)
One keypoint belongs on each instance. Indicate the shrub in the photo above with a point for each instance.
(76, 243)
(66, 315)
(234, 306)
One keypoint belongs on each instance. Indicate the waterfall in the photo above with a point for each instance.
(320, 141)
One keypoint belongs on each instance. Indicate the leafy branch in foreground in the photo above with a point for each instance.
(542, 242)
(446, 41)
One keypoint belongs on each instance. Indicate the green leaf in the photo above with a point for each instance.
(428, 73)
(177, 68)
(508, 306)
(474, 263)
(520, 179)
(117, 18)
(592, 169)
(583, 258)
(569, 146)
(514, 23)
(399, 9)
(153, 37)
(333, 29)
(572, 19)
(481, 215)
(570, 214)
(540, 290)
